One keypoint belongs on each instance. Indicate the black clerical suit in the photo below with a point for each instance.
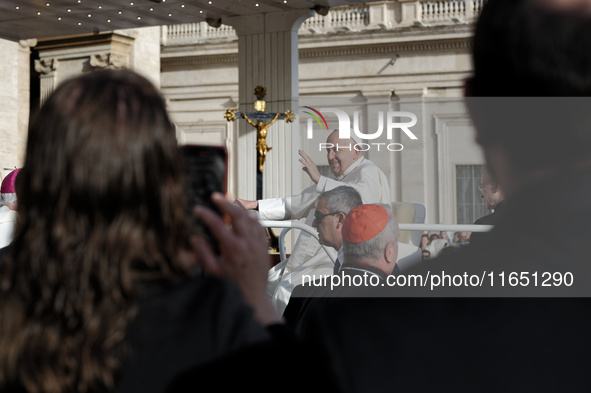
(489, 219)
(346, 284)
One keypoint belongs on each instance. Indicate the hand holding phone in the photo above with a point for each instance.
(206, 168)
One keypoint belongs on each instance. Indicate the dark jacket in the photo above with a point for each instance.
(489, 219)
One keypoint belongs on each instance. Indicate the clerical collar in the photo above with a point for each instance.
(353, 166)
(354, 268)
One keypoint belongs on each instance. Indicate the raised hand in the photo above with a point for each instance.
(309, 167)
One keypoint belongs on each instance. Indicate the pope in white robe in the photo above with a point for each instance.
(349, 167)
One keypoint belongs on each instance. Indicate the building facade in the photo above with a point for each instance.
(373, 61)
(380, 57)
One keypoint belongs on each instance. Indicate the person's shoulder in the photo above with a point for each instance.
(191, 298)
(489, 219)
(482, 220)
(367, 163)
(367, 166)
(312, 289)
(199, 305)
(309, 288)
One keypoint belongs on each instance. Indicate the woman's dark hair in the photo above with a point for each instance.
(101, 217)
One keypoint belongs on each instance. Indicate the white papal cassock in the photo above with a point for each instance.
(7, 223)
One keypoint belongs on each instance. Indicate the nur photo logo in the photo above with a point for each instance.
(393, 120)
(318, 114)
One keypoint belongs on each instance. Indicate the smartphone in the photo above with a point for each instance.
(207, 172)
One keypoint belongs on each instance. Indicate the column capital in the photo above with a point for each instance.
(108, 61)
(46, 66)
(268, 23)
(28, 44)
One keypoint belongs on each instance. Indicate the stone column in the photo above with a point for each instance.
(410, 160)
(13, 103)
(24, 95)
(378, 104)
(268, 56)
(47, 69)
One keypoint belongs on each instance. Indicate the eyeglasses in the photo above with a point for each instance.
(319, 217)
(480, 187)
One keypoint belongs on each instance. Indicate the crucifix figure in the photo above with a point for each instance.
(262, 147)
(258, 119)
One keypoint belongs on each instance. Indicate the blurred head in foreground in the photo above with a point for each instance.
(527, 60)
(102, 215)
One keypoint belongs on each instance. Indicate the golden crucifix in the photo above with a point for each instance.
(257, 120)
(262, 147)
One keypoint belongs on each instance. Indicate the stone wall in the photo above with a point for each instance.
(14, 103)
(58, 60)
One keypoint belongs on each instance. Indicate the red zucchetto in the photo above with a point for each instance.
(364, 222)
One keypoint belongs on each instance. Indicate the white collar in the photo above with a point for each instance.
(351, 168)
